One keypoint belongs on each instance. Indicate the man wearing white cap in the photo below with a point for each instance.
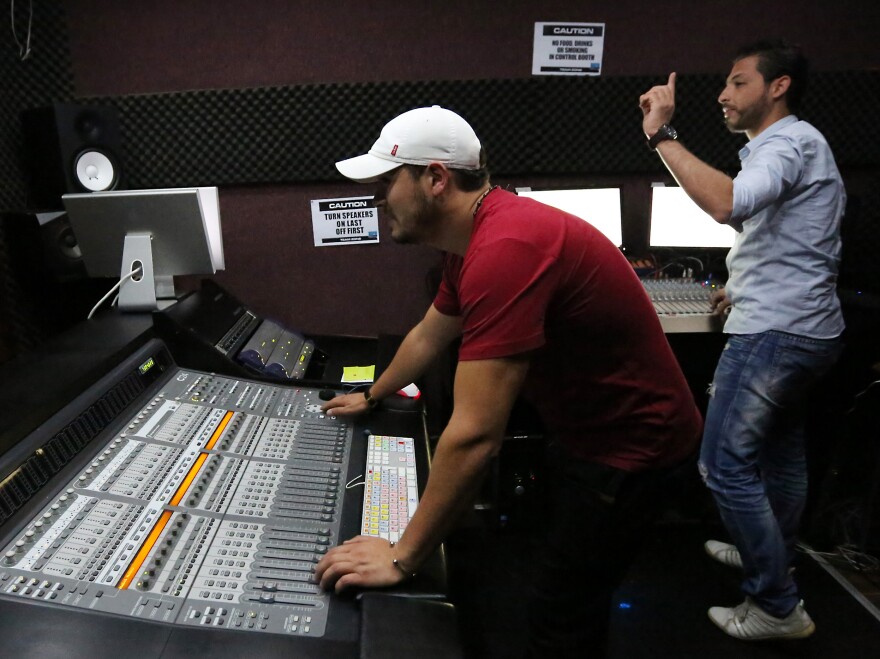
(544, 304)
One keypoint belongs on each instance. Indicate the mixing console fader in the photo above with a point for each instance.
(210, 506)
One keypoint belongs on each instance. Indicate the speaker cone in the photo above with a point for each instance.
(95, 171)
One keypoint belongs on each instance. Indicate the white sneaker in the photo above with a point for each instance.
(724, 552)
(748, 622)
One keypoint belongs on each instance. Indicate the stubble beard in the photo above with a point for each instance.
(750, 117)
(424, 218)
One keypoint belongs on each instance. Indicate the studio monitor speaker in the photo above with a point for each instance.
(61, 253)
(70, 148)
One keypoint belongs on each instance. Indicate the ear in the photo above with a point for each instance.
(779, 87)
(439, 177)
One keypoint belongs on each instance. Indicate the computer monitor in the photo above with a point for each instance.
(163, 232)
(598, 206)
(676, 221)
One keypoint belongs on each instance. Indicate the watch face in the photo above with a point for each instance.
(665, 132)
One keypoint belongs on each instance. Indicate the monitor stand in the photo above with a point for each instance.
(144, 291)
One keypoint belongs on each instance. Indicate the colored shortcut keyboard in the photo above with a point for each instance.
(391, 493)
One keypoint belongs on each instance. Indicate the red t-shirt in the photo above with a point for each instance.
(538, 280)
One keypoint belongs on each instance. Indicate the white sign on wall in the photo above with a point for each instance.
(568, 49)
(345, 221)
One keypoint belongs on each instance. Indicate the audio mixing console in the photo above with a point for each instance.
(683, 304)
(207, 505)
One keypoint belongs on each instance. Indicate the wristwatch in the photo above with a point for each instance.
(665, 132)
(371, 402)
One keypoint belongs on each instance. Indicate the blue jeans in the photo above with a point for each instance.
(752, 457)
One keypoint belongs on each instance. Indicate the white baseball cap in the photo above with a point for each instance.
(417, 137)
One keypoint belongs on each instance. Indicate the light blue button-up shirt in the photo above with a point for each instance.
(788, 200)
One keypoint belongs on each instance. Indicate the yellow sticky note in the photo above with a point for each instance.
(358, 373)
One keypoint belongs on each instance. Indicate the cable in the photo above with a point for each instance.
(352, 484)
(859, 560)
(856, 560)
(24, 51)
(859, 395)
(131, 274)
(679, 262)
(699, 262)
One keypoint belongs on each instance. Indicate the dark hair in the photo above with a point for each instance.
(776, 58)
(469, 180)
(466, 180)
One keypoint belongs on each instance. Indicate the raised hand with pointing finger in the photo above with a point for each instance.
(658, 106)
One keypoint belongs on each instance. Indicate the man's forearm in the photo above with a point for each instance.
(457, 471)
(711, 189)
(485, 392)
(414, 356)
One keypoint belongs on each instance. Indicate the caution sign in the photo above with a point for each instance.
(568, 49)
(345, 221)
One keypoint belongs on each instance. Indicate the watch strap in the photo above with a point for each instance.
(665, 132)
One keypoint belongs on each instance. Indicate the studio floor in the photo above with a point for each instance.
(660, 609)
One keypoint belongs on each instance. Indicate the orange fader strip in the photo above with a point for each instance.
(190, 477)
(135, 566)
(138, 561)
(219, 431)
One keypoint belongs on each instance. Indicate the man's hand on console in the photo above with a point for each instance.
(347, 405)
(361, 562)
(719, 302)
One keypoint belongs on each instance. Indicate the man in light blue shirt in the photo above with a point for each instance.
(784, 321)
(787, 204)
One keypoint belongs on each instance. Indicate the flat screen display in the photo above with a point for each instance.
(676, 221)
(598, 206)
(183, 224)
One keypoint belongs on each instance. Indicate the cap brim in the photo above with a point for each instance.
(365, 168)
